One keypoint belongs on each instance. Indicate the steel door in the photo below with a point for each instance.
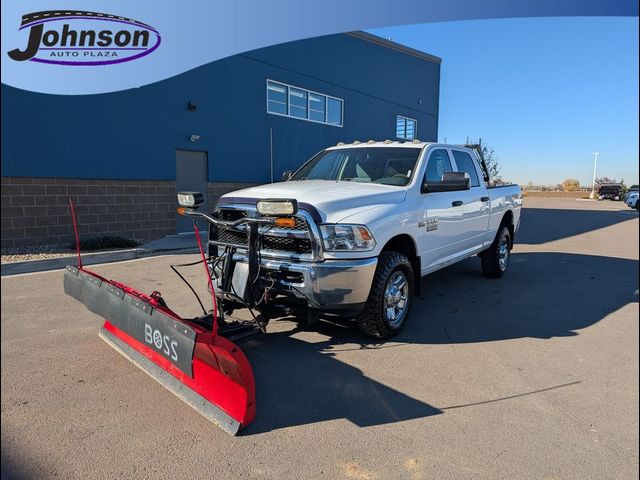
(191, 176)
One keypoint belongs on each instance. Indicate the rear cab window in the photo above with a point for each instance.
(465, 163)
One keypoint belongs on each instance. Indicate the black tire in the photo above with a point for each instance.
(494, 260)
(637, 205)
(373, 320)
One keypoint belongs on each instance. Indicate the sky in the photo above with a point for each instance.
(543, 92)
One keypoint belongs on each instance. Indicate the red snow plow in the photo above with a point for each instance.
(195, 358)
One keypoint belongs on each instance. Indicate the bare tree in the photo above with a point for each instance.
(602, 180)
(491, 159)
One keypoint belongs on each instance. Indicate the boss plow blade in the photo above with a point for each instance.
(204, 369)
(196, 358)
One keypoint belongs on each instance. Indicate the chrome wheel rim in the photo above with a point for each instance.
(503, 254)
(396, 299)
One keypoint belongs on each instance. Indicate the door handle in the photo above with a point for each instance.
(457, 203)
(484, 199)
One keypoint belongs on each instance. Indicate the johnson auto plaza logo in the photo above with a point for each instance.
(72, 37)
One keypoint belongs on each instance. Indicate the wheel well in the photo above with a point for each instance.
(507, 221)
(404, 244)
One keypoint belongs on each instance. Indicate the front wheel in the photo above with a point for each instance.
(495, 259)
(390, 297)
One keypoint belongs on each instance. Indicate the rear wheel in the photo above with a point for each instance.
(390, 297)
(495, 259)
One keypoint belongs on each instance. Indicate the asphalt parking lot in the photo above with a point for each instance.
(531, 376)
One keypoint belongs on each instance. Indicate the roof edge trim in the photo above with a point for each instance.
(368, 37)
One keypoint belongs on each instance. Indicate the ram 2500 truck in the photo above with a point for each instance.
(371, 219)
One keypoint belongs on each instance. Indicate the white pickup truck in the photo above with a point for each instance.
(370, 220)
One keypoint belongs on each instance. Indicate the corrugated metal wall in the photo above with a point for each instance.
(134, 134)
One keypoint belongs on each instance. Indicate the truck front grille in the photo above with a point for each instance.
(280, 239)
(232, 237)
(280, 244)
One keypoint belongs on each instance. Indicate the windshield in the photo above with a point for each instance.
(385, 165)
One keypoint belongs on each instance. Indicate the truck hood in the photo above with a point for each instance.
(328, 201)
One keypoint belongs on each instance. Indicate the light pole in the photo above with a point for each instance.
(595, 163)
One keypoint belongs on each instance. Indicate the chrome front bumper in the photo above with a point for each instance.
(330, 284)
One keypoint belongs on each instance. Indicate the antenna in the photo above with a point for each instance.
(75, 230)
(271, 151)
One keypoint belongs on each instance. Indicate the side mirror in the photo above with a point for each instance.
(190, 199)
(286, 175)
(451, 182)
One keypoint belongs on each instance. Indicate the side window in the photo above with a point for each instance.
(465, 164)
(438, 164)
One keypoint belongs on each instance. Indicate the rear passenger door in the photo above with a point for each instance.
(476, 205)
(441, 215)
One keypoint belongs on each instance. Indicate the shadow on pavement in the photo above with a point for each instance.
(543, 295)
(542, 225)
(12, 470)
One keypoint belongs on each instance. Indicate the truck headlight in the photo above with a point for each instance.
(277, 207)
(190, 199)
(340, 238)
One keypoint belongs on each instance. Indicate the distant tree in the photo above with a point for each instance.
(571, 185)
(624, 189)
(491, 159)
(601, 180)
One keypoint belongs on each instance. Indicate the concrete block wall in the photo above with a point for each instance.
(35, 211)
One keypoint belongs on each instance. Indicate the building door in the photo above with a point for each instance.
(191, 176)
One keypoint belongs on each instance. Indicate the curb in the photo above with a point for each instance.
(31, 266)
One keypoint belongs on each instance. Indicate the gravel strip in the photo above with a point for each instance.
(42, 252)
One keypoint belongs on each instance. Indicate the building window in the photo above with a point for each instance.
(298, 100)
(277, 98)
(290, 101)
(334, 111)
(317, 107)
(406, 128)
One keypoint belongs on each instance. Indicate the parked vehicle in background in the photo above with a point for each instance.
(630, 190)
(610, 191)
(632, 200)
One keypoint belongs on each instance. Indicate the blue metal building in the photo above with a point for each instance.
(249, 117)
